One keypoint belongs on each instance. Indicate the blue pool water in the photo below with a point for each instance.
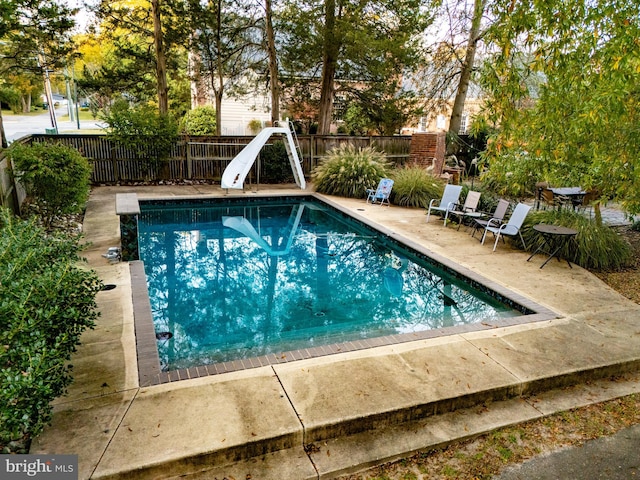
(232, 280)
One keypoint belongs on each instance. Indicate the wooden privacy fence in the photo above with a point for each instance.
(205, 158)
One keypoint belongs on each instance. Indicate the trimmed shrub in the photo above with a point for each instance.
(141, 129)
(275, 166)
(348, 171)
(199, 121)
(597, 248)
(415, 187)
(56, 177)
(46, 302)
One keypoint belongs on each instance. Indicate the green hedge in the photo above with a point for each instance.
(46, 301)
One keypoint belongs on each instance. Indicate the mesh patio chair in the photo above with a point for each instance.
(449, 200)
(511, 228)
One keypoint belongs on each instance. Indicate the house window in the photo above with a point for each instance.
(463, 124)
(440, 122)
(339, 107)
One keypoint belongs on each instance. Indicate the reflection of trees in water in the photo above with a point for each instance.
(214, 288)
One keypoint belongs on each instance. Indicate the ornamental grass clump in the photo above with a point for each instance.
(349, 171)
(415, 187)
(596, 247)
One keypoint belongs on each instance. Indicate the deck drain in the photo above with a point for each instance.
(108, 286)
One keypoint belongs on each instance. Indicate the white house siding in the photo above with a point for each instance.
(236, 114)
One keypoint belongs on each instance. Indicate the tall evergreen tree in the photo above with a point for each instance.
(36, 38)
(361, 44)
(226, 46)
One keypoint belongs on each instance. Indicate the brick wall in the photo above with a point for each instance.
(428, 149)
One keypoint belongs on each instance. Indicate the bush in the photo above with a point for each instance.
(275, 166)
(46, 302)
(56, 177)
(511, 174)
(348, 171)
(598, 248)
(199, 121)
(415, 187)
(141, 129)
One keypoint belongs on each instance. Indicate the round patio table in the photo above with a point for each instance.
(555, 237)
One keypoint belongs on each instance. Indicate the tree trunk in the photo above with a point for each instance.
(467, 68)
(217, 85)
(161, 62)
(273, 67)
(329, 65)
(3, 135)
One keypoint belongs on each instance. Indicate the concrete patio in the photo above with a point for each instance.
(322, 417)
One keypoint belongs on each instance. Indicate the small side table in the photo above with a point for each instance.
(555, 237)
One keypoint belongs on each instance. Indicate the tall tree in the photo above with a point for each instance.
(274, 78)
(466, 67)
(580, 125)
(359, 44)
(227, 46)
(36, 38)
(136, 32)
(161, 61)
(447, 74)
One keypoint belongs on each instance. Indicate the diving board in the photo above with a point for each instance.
(236, 172)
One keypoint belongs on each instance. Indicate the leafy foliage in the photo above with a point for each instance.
(366, 43)
(46, 302)
(596, 247)
(348, 171)
(513, 174)
(564, 92)
(55, 176)
(275, 164)
(142, 129)
(415, 187)
(199, 121)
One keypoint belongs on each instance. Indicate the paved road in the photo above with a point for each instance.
(608, 458)
(18, 126)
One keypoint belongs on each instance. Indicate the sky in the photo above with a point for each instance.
(83, 17)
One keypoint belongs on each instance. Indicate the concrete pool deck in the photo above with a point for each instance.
(322, 417)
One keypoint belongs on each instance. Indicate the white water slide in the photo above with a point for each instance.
(244, 226)
(236, 172)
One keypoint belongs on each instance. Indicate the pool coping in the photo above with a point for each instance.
(149, 369)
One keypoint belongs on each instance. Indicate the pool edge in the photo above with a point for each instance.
(149, 370)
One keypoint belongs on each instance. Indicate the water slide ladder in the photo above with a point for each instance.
(236, 172)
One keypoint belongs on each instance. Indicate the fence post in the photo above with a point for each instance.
(114, 162)
(189, 159)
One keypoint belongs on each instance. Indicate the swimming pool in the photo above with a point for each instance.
(280, 278)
